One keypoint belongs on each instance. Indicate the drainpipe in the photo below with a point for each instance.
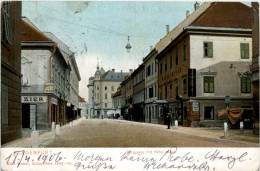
(55, 48)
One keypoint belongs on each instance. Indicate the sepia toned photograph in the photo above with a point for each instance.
(146, 77)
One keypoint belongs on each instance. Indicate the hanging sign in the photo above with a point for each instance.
(49, 88)
(54, 101)
(195, 106)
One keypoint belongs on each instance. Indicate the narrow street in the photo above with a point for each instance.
(121, 133)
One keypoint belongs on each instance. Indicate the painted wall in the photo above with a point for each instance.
(225, 65)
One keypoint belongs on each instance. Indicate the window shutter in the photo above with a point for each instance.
(247, 51)
(242, 49)
(210, 49)
(248, 85)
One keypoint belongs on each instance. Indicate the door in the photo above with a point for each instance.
(26, 115)
(33, 117)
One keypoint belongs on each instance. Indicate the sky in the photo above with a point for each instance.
(99, 29)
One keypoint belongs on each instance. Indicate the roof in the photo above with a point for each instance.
(81, 99)
(138, 70)
(202, 18)
(29, 33)
(24, 18)
(62, 46)
(118, 92)
(226, 14)
(179, 28)
(114, 76)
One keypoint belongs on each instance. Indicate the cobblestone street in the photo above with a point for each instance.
(120, 133)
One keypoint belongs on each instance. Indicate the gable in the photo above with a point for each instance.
(226, 14)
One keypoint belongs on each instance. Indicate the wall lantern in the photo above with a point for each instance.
(68, 103)
(128, 46)
(75, 108)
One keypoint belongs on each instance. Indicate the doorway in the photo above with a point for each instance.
(29, 116)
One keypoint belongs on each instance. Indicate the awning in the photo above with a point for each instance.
(234, 114)
(160, 101)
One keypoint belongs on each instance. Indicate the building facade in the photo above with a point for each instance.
(10, 71)
(138, 93)
(91, 97)
(48, 79)
(83, 107)
(197, 70)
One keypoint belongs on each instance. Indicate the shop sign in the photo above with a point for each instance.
(195, 106)
(34, 99)
(54, 101)
(49, 88)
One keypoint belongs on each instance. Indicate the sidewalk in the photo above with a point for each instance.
(45, 138)
(212, 133)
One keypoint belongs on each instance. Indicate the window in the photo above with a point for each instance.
(171, 61)
(152, 69)
(170, 90)
(150, 92)
(149, 70)
(176, 87)
(112, 88)
(184, 53)
(105, 95)
(208, 49)
(209, 84)
(105, 87)
(97, 88)
(208, 112)
(161, 68)
(165, 64)
(155, 66)
(245, 85)
(244, 50)
(176, 57)
(160, 91)
(184, 84)
(155, 91)
(105, 104)
(165, 91)
(4, 104)
(6, 16)
(112, 95)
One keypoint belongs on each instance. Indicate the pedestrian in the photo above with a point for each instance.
(168, 120)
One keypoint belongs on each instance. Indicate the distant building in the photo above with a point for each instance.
(138, 93)
(83, 107)
(209, 57)
(116, 113)
(127, 98)
(90, 97)
(105, 86)
(11, 116)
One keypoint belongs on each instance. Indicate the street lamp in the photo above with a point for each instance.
(128, 46)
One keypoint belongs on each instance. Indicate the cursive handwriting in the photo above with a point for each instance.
(173, 160)
(19, 157)
(92, 161)
(231, 160)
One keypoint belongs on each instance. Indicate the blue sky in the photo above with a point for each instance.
(99, 29)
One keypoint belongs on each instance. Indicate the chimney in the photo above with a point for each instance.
(131, 70)
(151, 48)
(196, 6)
(187, 13)
(167, 29)
(113, 70)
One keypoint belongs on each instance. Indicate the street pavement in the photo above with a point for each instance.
(121, 133)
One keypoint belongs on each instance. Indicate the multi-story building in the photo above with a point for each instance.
(207, 59)
(138, 93)
(10, 71)
(47, 79)
(115, 114)
(127, 98)
(255, 62)
(91, 97)
(83, 107)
